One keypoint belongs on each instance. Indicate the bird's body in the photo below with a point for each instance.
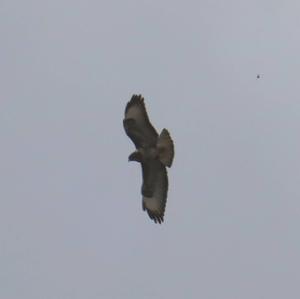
(154, 152)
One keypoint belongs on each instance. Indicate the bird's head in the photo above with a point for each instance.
(135, 156)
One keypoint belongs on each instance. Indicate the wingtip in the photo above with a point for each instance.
(157, 217)
(136, 99)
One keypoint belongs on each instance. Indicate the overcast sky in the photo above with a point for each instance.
(71, 219)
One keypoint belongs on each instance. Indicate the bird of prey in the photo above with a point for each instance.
(154, 152)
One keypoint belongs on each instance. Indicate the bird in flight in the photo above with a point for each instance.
(154, 152)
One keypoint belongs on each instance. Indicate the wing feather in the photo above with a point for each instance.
(154, 189)
(137, 124)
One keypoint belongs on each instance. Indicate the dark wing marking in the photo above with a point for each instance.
(154, 189)
(137, 125)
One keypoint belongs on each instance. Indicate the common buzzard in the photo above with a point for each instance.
(154, 152)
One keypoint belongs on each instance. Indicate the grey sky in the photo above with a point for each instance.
(71, 222)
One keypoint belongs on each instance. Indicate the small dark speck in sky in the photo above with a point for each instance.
(257, 76)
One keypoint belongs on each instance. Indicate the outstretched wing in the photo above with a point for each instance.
(137, 125)
(154, 189)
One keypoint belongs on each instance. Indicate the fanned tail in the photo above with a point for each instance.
(165, 148)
